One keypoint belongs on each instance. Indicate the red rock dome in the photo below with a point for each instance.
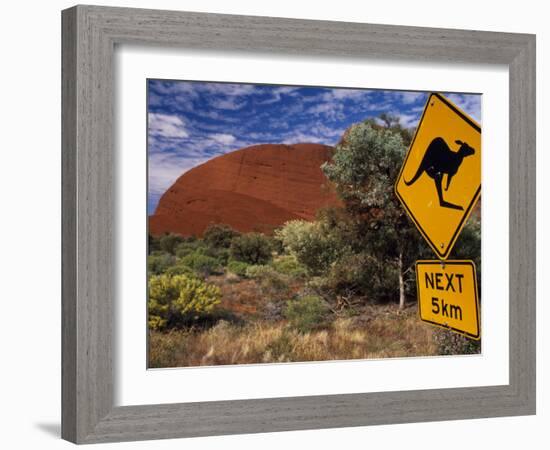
(257, 188)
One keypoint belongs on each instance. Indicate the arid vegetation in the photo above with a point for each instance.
(380, 332)
(341, 286)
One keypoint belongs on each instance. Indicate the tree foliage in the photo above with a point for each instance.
(306, 313)
(237, 267)
(468, 245)
(159, 262)
(203, 265)
(364, 169)
(273, 285)
(289, 265)
(365, 166)
(316, 245)
(219, 235)
(168, 242)
(251, 248)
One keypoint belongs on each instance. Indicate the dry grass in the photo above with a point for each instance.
(389, 333)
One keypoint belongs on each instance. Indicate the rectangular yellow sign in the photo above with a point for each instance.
(447, 295)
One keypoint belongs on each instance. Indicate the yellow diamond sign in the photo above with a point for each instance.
(440, 180)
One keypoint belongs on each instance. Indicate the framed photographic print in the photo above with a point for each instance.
(305, 218)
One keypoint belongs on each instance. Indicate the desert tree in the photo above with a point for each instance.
(364, 168)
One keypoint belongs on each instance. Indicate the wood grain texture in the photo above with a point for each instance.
(523, 225)
(68, 226)
(89, 36)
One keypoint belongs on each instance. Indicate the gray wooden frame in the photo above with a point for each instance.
(89, 37)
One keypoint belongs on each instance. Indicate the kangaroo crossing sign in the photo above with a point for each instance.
(440, 180)
(447, 295)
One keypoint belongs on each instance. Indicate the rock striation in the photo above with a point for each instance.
(256, 188)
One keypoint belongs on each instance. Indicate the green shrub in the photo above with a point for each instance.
(276, 245)
(202, 264)
(185, 248)
(293, 234)
(289, 265)
(179, 269)
(168, 242)
(307, 313)
(260, 271)
(273, 284)
(152, 244)
(159, 262)
(251, 248)
(363, 275)
(468, 245)
(313, 244)
(450, 343)
(221, 254)
(219, 235)
(172, 299)
(237, 267)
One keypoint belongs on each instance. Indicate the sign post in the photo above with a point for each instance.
(439, 185)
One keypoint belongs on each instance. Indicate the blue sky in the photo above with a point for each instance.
(191, 122)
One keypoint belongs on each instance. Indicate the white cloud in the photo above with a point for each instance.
(346, 94)
(290, 90)
(417, 109)
(306, 136)
(333, 104)
(168, 161)
(277, 93)
(228, 89)
(166, 126)
(223, 138)
(325, 132)
(292, 109)
(263, 136)
(469, 103)
(331, 111)
(300, 138)
(215, 115)
(230, 103)
(411, 97)
(409, 120)
(321, 108)
(165, 169)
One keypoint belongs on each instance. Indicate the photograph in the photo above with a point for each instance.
(285, 223)
(262, 225)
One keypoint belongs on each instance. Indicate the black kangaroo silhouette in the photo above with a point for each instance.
(439, 160)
